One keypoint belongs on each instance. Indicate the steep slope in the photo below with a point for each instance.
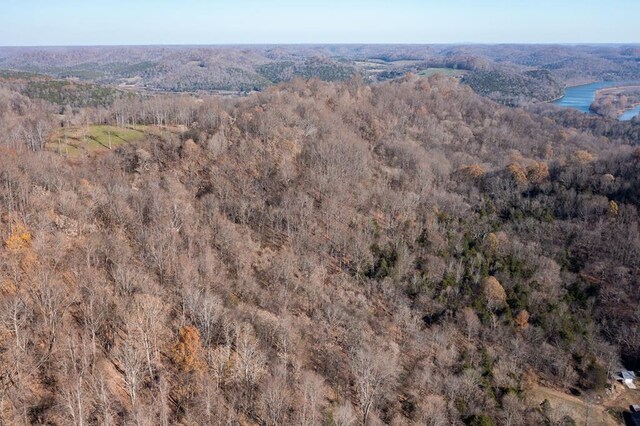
(405, 253)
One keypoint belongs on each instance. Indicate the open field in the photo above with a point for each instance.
(445, 71)
(77, 140)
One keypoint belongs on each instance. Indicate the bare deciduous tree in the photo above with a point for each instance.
(374, 372)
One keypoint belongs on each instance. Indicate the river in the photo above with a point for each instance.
(628, 115)
(581, 97)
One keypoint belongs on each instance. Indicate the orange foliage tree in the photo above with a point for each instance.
(494, 293)
(538, 173)
(19, 239)
(518, 173)
(187, 351)
(522, 319)
(18, 243)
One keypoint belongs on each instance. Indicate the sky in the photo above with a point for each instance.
(143, 22)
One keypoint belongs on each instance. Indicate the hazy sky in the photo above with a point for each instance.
(93, 22)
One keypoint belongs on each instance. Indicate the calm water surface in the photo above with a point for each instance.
(628, 115)
(581, 97)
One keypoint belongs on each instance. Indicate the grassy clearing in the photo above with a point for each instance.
(445, 71)
(105, 136)
(77, 140)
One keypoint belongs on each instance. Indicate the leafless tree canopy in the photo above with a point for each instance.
(318, 253)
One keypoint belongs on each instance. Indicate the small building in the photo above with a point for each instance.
(628, 378)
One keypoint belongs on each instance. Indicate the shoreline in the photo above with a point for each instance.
(611, 91)
(630, 86)
(617, 117)
(637, 104)
(556, 99)
(564, 91)
(598, 92)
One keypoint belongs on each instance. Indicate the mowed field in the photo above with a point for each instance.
(74, 141)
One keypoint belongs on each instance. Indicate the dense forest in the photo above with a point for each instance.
(319, 253)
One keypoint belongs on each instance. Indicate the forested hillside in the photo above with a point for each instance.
(64, 93)
(318, 253)
(509, 73)
(515, 88)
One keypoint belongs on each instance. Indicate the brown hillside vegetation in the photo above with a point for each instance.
(319, 253)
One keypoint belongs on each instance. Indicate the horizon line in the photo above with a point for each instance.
(465, 43)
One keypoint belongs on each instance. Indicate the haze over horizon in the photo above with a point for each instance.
(198, 22)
